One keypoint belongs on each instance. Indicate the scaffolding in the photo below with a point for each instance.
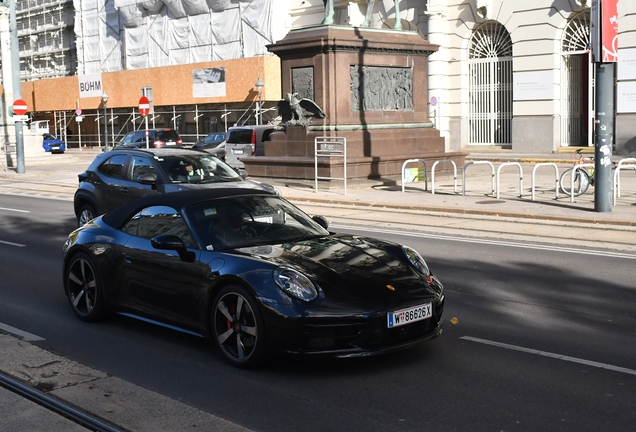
(47, 39)
(193, 122)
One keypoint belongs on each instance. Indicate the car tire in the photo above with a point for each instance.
(83, 287)
(238, 327)
(86, 214)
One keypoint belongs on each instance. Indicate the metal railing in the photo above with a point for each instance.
(556, 178)
(623, 164)
(492, 168)
(433, 174)
(328, 147)
(518, 165)
(405, 180)
(574, 170)
(629, 163)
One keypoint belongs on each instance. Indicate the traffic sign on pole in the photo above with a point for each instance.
(78, 112)
(20, 107)
(144, 106)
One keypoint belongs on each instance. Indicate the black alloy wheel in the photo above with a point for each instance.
(84, 288)
(86, 214)
(238, 327)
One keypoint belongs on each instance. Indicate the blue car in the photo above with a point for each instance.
(53, 144)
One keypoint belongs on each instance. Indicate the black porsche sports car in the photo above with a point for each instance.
(253, 273)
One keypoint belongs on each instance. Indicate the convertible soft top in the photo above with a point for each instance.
(176, 200)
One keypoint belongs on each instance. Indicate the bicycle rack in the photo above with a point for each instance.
(331, 147)
(492, 168)
(577, 167)
(433, 175)
(556, 177)
(404, 171)
(520, 176)
(617, 177)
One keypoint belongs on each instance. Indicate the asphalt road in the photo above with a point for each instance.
(537, 336)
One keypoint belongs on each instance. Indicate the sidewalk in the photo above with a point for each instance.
(57, 175)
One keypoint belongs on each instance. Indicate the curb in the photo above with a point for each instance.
(447, 210)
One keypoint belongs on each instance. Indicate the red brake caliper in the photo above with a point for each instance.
(232, 312)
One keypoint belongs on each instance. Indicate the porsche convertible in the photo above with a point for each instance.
(253, 273)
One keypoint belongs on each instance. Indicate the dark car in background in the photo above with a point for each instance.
(218, 151)
(254, 274)
(214, 144)
(156, 138)
(210, 141)
(51, 143)
(122, 175)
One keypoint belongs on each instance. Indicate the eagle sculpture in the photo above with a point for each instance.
(297, 111)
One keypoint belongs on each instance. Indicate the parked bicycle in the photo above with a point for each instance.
(583, 178)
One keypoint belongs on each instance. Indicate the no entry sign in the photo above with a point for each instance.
(20, 107)
(144, 106)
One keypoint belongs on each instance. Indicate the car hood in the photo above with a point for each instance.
(351, 268)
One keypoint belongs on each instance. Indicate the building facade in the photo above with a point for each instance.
(509, 73)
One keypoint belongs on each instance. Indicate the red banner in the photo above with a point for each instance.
(609, 30)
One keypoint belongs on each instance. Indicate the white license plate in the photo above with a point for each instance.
(55, 148)
(407, 316)
(239, 152)
(264, 219)
(170, 143)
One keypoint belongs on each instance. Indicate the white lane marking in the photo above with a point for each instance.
(604, 253)
(12, 244)
(37, 196)
(552, 355)
(29, 337)
(14, 210)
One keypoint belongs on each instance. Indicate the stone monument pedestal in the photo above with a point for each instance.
(372, 85)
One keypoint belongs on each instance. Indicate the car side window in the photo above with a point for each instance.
(114, 166)
(140, 136)
(159, 220)
(127, 139)
(140, 166)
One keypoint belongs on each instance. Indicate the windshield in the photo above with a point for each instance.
(197, 168)
(251, 220)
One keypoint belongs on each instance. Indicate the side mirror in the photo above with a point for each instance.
(241, 172)
(147, 179)
(172, 242)
(322, 221)
(167, 242)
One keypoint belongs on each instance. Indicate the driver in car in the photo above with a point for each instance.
(230, 229)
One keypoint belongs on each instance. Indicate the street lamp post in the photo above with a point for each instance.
(259, 85)
(104, 101)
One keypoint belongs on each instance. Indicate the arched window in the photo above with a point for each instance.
(576, 83)
(490, 85)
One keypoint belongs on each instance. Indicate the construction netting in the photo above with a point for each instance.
(115, 35)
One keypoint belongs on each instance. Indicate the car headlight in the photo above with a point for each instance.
(416, 260)
(295, 284)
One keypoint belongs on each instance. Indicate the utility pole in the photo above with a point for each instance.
(603, 32)
(17, 85)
